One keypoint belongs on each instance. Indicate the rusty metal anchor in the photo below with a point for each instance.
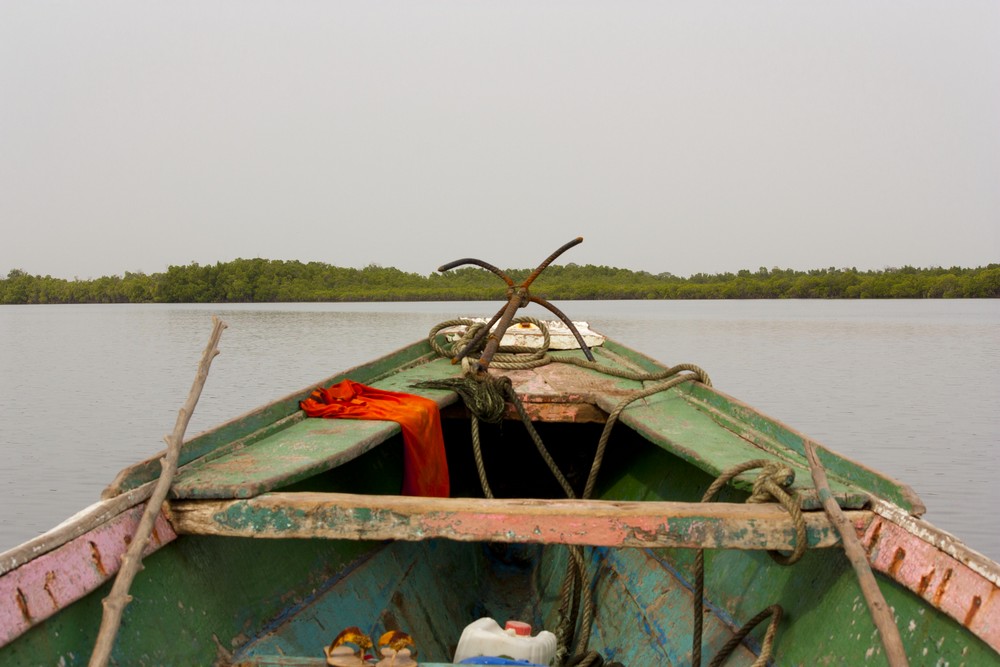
(518, 296)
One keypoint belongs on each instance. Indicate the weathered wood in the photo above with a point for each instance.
(52, 581)
(115, 603)
(263, 418)
(591, 522)
(937, 567)
(940, 540)
(881, 614)
(93, 517)
(539, 411)
(281, 661)
(780, 439)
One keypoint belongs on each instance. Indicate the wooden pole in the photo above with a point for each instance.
(115, 603)
(877, 606)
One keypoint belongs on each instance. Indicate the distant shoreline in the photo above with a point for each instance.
(278, 281)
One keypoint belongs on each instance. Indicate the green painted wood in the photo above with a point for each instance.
(670, 421)
(200, 599)
(770, 433)
(721, 431)
(585, 522)
(305, 448)
(261, 422)
(398, 588)
(281, 661)
(309, 447)
(295, 661)
(194, 600)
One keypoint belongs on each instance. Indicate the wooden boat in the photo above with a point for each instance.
(281, 531)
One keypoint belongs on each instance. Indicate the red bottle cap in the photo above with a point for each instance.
(520, 628)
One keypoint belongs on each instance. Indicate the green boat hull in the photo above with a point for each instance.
(231, 599)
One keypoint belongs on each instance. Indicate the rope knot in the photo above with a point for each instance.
(484, 395)
(774, 483)
(772, 475)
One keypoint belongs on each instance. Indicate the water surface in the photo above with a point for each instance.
(907, 387)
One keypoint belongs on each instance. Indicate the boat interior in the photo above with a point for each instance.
(251, 584)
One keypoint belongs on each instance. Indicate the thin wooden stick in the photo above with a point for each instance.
(877, 606)
(115, 603)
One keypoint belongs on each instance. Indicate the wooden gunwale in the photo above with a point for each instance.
(936, 566)
(53, 581)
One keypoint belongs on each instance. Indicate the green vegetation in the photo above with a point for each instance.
(262, 280)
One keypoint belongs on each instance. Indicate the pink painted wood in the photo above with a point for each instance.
(41, 587)
(943, 580)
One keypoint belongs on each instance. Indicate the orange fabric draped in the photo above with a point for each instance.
(425, 467)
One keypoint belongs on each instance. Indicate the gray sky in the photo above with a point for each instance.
(673, 136)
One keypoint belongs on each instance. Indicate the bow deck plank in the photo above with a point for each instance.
(712, 436)
(302, 449)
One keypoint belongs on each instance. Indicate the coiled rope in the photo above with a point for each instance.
(510, 357)
(515, 357)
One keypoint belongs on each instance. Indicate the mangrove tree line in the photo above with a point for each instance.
(263, 280)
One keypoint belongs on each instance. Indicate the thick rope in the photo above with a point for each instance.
(512, 357)
(574, 596)
(602, 444)
(767, 646)
(477, 451)
(588, 659)
(537, 439)
(770, 484)
(485, 395)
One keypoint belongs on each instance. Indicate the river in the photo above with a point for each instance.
(907, 387)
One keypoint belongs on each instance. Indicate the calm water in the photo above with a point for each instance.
(908, 387)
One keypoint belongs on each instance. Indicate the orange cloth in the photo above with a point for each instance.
(425, 466)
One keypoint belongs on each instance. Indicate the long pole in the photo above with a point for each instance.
(877, 606)
(115, 603)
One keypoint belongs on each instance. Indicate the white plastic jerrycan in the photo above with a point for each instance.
(485, 637)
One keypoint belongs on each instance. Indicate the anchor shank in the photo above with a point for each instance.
(495, 336)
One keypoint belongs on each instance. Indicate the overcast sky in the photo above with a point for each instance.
(673, 136)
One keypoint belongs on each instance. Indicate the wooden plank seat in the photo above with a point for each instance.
(307, 515)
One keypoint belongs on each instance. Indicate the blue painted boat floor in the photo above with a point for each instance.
(433, 589)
